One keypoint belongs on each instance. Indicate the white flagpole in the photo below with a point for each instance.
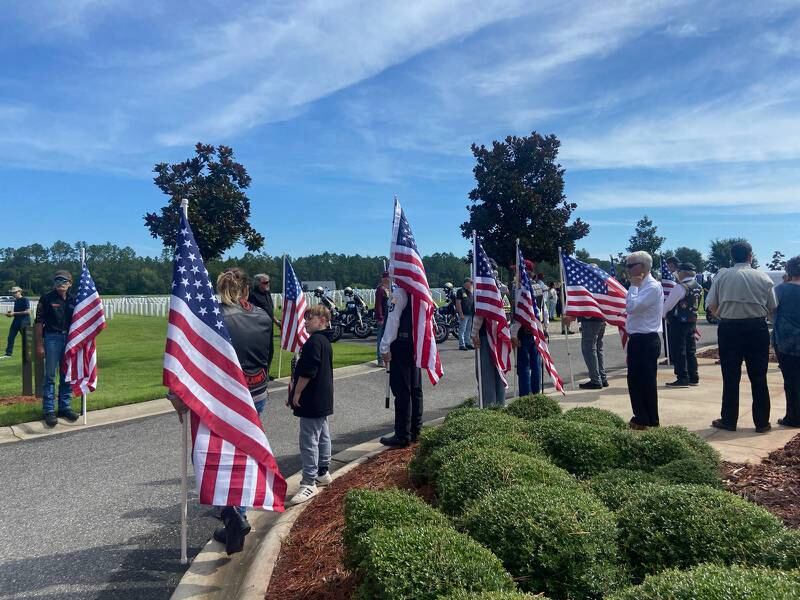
(515, 354)
(477, 348)
(564, 314)
(388, 365)
(283, 316)
(83, 395)
(184, 452)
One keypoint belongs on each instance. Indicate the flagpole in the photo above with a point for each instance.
(564, 314)
(664, 323)
(515, 354)
(83, 395)
(388, 365)
(184, 452)
(283, 307)
(477, 348)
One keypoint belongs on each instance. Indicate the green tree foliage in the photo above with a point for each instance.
(645, 238)
(519, 193)
(778, 262)
(719, 256)
(219, 210)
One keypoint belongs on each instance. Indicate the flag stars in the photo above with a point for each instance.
(195, 269)
(188, 243)
(181, 269)
(203, 311)
(218, 325)
(191, 257)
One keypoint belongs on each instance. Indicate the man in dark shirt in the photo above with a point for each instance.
(261, 296)
(465, 308)
(53, 318)
(21, 315)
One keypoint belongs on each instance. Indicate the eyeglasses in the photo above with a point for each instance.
(264, 281)
(631, 265)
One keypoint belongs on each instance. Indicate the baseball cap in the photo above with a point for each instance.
(687, 266)
(15, 289)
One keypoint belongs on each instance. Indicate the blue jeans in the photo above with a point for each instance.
(380, 337)
(54, 345)
(464, 331)
(529, 367)
(492, 386)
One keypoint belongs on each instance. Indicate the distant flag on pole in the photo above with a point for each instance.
(408, 272)
(233, 461)
(293, 325)
(489, 305)
(88, 320)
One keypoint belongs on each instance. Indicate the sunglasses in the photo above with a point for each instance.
(631, 265)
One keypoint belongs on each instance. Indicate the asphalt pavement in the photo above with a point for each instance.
(95, 513)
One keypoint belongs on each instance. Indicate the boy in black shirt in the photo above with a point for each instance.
(311, 398)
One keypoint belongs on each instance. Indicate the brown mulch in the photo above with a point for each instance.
(310, 566)
(714, 353)
(19, 400)
(773, 484)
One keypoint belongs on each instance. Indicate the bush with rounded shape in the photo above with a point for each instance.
(423, 563)
(715, 582)
(663, 445)
(554, 540)
(615, 487)
(680, 526)
(690, 470)
(534, 407)
(782, 551)
(462, 595)
(477, 472)
(365, 509)
(582, 449)
(596, 416)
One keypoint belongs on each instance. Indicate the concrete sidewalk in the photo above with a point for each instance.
(695, 408)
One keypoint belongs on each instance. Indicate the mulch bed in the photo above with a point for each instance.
(19, 400)
(310, 566)
(714, 353)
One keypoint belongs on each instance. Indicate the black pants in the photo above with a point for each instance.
(790, 367)
(406, 382)
(643, 352)
(16, 327)
(683, 350)
(748, 340)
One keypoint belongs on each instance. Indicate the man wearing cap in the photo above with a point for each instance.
(261, 296)
(53, 318)
(680, 311)
(382, 293)
(21, 315)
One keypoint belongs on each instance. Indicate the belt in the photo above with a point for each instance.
(749, 320)
(643, 334)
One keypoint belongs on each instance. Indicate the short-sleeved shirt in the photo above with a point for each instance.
(316, 363)
(55, 312)
(467, 303)
(742, 292)
(21, 304)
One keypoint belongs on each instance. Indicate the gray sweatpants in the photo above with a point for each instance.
(315, 448)
(592, 333)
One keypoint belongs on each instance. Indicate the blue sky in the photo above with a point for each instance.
(685, 111)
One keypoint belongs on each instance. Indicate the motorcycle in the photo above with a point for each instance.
(352, 321)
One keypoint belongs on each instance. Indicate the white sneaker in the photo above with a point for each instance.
(306, 492)
(324, 479)
(4, 356)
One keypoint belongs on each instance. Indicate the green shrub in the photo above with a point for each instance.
(462, 595)
(552, 539)
(663, 445)
(596, 416)
(615, 487)
(365, 509)
(534, 407)
(715, 582)
(683, 525)
(423, 563)
(477, 472)
(782, 551)
(582, 449)
(690, 470)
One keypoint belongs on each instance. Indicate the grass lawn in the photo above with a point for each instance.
(130, 353)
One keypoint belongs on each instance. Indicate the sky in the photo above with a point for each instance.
(683, 111)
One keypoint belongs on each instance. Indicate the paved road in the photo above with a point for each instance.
(94, 514)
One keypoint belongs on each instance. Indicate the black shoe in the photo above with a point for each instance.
(787, 423)
(634, 424)
(720, 424)
(69, 414)
(414, 436)
(764, 428)
(678, 384)
(236, 528)
(694, 383)
(590, 385)
(394, 442)
(272, 378)
(462, 347)
(50, 419)
(605, 383)
(470, 347)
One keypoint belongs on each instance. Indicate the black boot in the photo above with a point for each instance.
(394, 442)
(236, 528)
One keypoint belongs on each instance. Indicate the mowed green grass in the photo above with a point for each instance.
(130, 353)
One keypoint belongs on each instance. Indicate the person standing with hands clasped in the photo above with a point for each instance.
(311, 399)
(21, 313)
(644, 305)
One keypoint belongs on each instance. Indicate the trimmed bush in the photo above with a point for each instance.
(462, 595)
(423, 563)
(582, 449)
(534, 407)
(554, 540)
(596, 416)
(781, 552)
(663, 445)
(477, 472)
(365, 509)
(681, 526)
(715, 582)
(615, 487)
(690, 470)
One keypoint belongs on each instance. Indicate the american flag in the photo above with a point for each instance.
(527, 313)
(233, 461)
(668, 280)
(408, 272)
(489, 305)
(88, 319)
(293, 326)
(591, 292)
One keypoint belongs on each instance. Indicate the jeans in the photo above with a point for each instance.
(592, 333)
(464, 331)
(551, 309)
(683, 351)
(315, 448)
(529, 367)
(643, 352)
(378, 344)
(16, 327)
(492, 387)
(790, 367)
(54, 345)
(748, 340)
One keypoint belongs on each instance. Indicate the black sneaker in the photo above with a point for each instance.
(787, 423)
(720, 424)
(763, 428)
(678, 384)
(394, 442)
(605, 383)
(50, 419)
(69, 414)
(694, 383)
(590, 385)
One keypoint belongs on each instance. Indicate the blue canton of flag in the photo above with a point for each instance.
(293, 324)
(525, 282)
(404, 235)
(85, 286)
(668, 280)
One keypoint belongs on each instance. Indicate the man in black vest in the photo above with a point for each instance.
(405, 379)
(261, 296)
(680, 311)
